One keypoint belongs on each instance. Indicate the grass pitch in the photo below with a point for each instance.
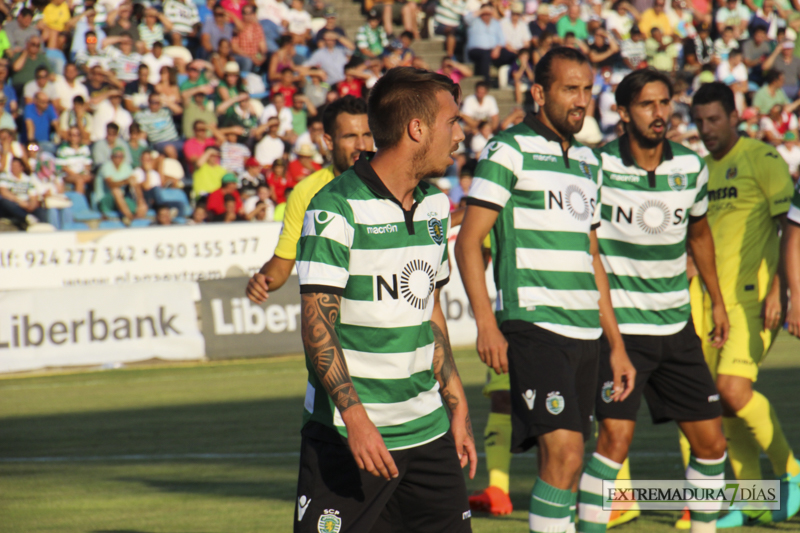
(212, 448)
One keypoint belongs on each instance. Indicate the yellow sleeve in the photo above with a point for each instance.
(775, 181)
(296, 207)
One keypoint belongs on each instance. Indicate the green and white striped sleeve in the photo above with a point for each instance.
(700, 206)
(323, 257)
(495, 176)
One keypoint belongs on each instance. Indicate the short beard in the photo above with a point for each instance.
(562, 125)
(340, 161)
(642, 140)
(422, 169)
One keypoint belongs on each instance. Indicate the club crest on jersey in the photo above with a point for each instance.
(329, 522)
(490, 149)
(321, 219)
(554, 403)
(585, 169)
(607, 392)
(677, 182)
(731, 173)
(435, 230)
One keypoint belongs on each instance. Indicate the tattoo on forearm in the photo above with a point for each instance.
(324, 349)
(469, 428)
(444, 367)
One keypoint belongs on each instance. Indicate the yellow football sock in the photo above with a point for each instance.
(625, 471)
(686, 449)
(761, 420)
(743, 450)
(497, 443)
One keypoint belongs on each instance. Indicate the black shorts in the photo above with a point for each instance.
(429, 495)
(671, 373)
(552, 382)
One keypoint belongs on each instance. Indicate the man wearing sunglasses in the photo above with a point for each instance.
(25, 63)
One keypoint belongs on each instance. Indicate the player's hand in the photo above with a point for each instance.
(774, 308)
(258, 288)
(624, 373)
(461, 426)
(722, 327)
(366, 444)
(793, 318)
(493, 348)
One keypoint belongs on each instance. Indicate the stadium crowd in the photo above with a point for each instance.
(139, 113)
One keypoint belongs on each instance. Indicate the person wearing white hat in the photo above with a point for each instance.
(304, 165)
(518, 35)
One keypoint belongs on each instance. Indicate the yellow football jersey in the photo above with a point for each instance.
(296, 209)
(746, 189)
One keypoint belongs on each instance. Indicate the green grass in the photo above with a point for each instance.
(99, 425)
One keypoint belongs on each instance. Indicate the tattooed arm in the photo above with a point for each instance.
(323, 348)
(451, 389)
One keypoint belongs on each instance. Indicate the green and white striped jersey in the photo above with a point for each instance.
(546, 198)
(794, 209)
(646, 217)
(385, 262)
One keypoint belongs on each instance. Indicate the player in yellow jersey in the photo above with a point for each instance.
(347, 134)
(749, 192)
(793, 264)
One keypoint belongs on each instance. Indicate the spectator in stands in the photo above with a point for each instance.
(480, 107)
(92, 56)
(196, 146)
(262, 210)
(74, 161)
(449, 19)
(249, 44)
(119, 23)
(656, 17)
(68, 87)
(83, 23)
(779, 121)
(737, 16)
(303, 166)
(572, 23)
(26, 63)
(199, 215)
(215, 203)
(148, 177)
(634, 50)
(790, 151)
(486, 44)
(156, 122)
(771, 93)
(662, 53)
(231, 213)
(102, 148)
(725, 44)
(270, 147)
(138, 92)
(518, 35)
(604, 51)
(18, 199)
(251, 178)
(755, 52)
(220, 26)
(137, 144)
(6, 119)
(279, 182)
(41, 121)
(208, 176)
(331, 57)
(109, 110)
(620, 20)
(20, 30)
(454, 70)
(279, 110)
(156, 60)
(116, 189)
(331, 25)
(299, 27)
(153, 29)
(41, 83)
(302, 110)
(782, 60)
(371, 38)
(125, 60)
(233, 154)
(184, 17)
(163, 216)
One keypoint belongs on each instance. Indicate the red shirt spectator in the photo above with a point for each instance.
(215, 203)
(195, 146)
(304, 165)
(279, 181)
(352, 86)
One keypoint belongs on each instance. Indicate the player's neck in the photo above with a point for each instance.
(565, 141)
(397, 174)
(646, 157)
